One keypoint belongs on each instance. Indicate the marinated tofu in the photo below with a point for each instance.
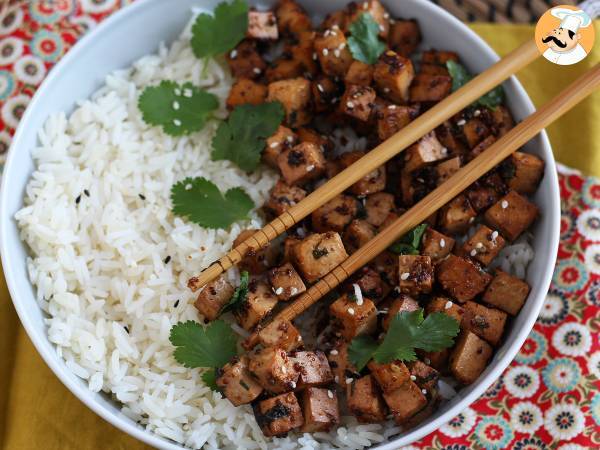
(301, 163)
(392, 118)
(375, 9)
(335, 215)
(470, 357)
(401, 304)
(404, 36)
(393, 75)
(424, 376)
(291, 18)
(254, 261)
(430, 88)
(283, 197)
(389, 376)
(313, 369)
(295, 96)
(354, 317)
(245, 91)
(461, 278)
(333, 53)
(378, 207)
(436, 245)
(359, 74)
(426, 151)
(318, 254)
(416, 274)
(357, 234)
(487, 323)
(339, 363)
(283, 139)
(484, 245)
(236, 382)
(282, 334)
(259, 302)
(279, 415)
(446, 169)
(365, 401)
(273, 369)
(285, 282)
(245, 61)
(511, 215)
(446, 306)
(405, 401)
(321, 410)
(214, 297)
(523, 172)
(457, 215)
(507, 293)
(262, 25)
(357, 102)
(371, 183)
(370, 284)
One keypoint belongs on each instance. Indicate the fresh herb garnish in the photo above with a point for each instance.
(407, 332)
(409, 243)
(364, 43)
(239, 295)
(201, 202)
(210, 379)
(218, 33)
(179, 109)
(242, 138)
(460, 77)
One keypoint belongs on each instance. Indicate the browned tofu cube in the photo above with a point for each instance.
(523, 172)
(449, 137)
(333, 53)
(236, 382)
(446, 169)
(280, 333)
(439, 57)
(354, 318)
(313, 368)
(318, 254)
(335, 20)
(461, 278)
(301, 163)
(295, 95)
(375, 9)
(389, 376)
(334, 215)
(426, 151)
(284, 69)
(255, 261)
(507, 293)
(386, 264)
(416, 274)
(511, 215)
(214, 297)
(357, 234)
(437, 360)
(321, 411)
(288, 244)
(393, 118)
(283, 139)
(309, 135)
(484, 245)
(469, 357)
(425, 376)
(436, 245)
(446, 306)
(401, 304)
(487, 323)
(475, 131)
(326, 93)
(404, 36)
(357, 102)
(370, 284)
(378, 207)
(457, 215)
(277, 416)
(481, 147)
(365, 401)
(481, 197)
(259, 302)
(359, 74)
(245, 62)
(291, 18)
(245, 91)
(285, 282)
(339, 363)
(430, 88)
(405, 401)
(393, 75)
(303, 51)
(503, 121)
(372, 182)
(283, 197)
(274, 369)
(262, 25)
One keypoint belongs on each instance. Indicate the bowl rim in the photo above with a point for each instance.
(39, 340)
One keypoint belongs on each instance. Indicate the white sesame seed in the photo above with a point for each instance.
(386, 90)
(392, 21)
(386, 15)
(256, 70)
(188, 187)
(479, 245)
(342, 46)
(335, 27)
(310, 168)
(320, 87)
(187, 93)
(315, 56)
(290, 139)
(329, 393)
(424, 391)
(283, 370)
(293, 384)
(326, 33)
(177, 122)
(233, 54)
(336, 379)
(274, 144)
(381, 28)
(413, 378)
(472, 219)
(350, 105)
(448, 305)
(405, 276)
(351, 311)
(494, 235)
(504, 204)
(175, 105)
(333, 33)
(299, 338)
(294, 291)
(473, 252)
(325, 52)
(334, 352)
(477, 113)
(279, 291)
(392, 107)
(461, 122)
(348, 380)
(442, 243)
(336, 53)
(444, 151)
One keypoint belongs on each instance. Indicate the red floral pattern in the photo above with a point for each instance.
(550, 395)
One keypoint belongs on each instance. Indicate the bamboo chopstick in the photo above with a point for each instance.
(451, 105)
(462, 179)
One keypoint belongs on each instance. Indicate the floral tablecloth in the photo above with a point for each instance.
(548, 398)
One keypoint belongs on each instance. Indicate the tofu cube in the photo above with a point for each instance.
(430, 88)
(469, 357)
(365, 401)
(283, 69)
(283, 197)
(321, 410)
(389, 376)
(214, 297)
(357, 234)
(439, 57)
(295, 96)
(255, 261)
(325, 93)
(372, 182)
(333, 53)
(525, 172)
(461, 278)
(276, 416)
(359, 74)
(357, 102)
(386, 265)
(334, 215)
(446, 306)
(405, 401)
(313, 369)
(426, 377)
(352, 318)
(404, 36)
(511, 215)
(273, 369)
(339, 363)
(335, 20)
(283, 139)
(475, 131)
(484, 245)
(378, 207)
(416, 274)
(302, 163)
(236, 382)
(262, 25)
(426, 151)
(401, 304)
(318, 254)
(502, 119)
(507, 293)
(288, 244)
(446, 169)
(280, 333)
(285, 282)
(457, 215)
(375, 9)
(481, 197)
(259, 302)
(303, 52)
(245, 62)
(393, 118)
(436, 245)
(487, 323)
(450, 137)
(291, 18)
(310, 135)
(245, 91)
(393, 75)
(437, 360)
(481, 147)
(370, 284)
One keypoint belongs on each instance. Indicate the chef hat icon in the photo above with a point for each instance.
(571, 19)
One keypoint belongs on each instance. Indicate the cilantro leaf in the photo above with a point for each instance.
(460, 77)
(216, 34)
(364, 43)
(210, 379)
(361, 350)
(409, 243)
(239, 295)
(197, 346)
(179, 109)
(201, 202)
(242, 138)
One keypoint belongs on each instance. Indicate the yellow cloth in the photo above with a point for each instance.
(38, 412)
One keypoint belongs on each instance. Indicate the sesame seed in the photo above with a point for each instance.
(315, 56)
(413, 378)
(392, 107)
(256, 70)
(444, 151)
(279, 291)
(333, 33)
(448, 305)
(381, 28)
(504, 204)
(461, 122)
(336, 53)
(342, 46)
(177, 122)
(405, 276)
(233, 54)
(310, 168)
(293, 291)
(334, 352)
(274, 144)
(335, 27)
(424, 391)
(392, 21)
(175, 105)
(350, 105)
(283, 370)
(290, 139)
(320, 87)
(386, 15)
(442, 243)
(494, 235)
(386, 90)
(188, 186)
(348, 380)
(472, 219)
(479, 245)
(86, 192)
(187, 93)
(473, 252)
(477, 113)
(336, 379)
(351, 311)
(329, 393)
(325, 52)
(142, 196)
(365, 5)
(299, 338)
(293, 384)
(327, 32)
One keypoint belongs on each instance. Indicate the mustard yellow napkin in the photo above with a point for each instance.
(38, 412)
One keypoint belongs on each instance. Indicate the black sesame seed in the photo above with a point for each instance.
(78, 199)
(177, 303)
(142, 196)
(86, 192)
(167, 259)
(126, 329)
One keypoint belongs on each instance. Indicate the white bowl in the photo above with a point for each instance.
(137, 30)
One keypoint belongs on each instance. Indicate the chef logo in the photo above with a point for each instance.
(564, 35)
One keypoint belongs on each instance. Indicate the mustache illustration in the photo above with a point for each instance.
(556, 41)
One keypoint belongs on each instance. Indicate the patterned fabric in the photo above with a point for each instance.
(550, 395)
